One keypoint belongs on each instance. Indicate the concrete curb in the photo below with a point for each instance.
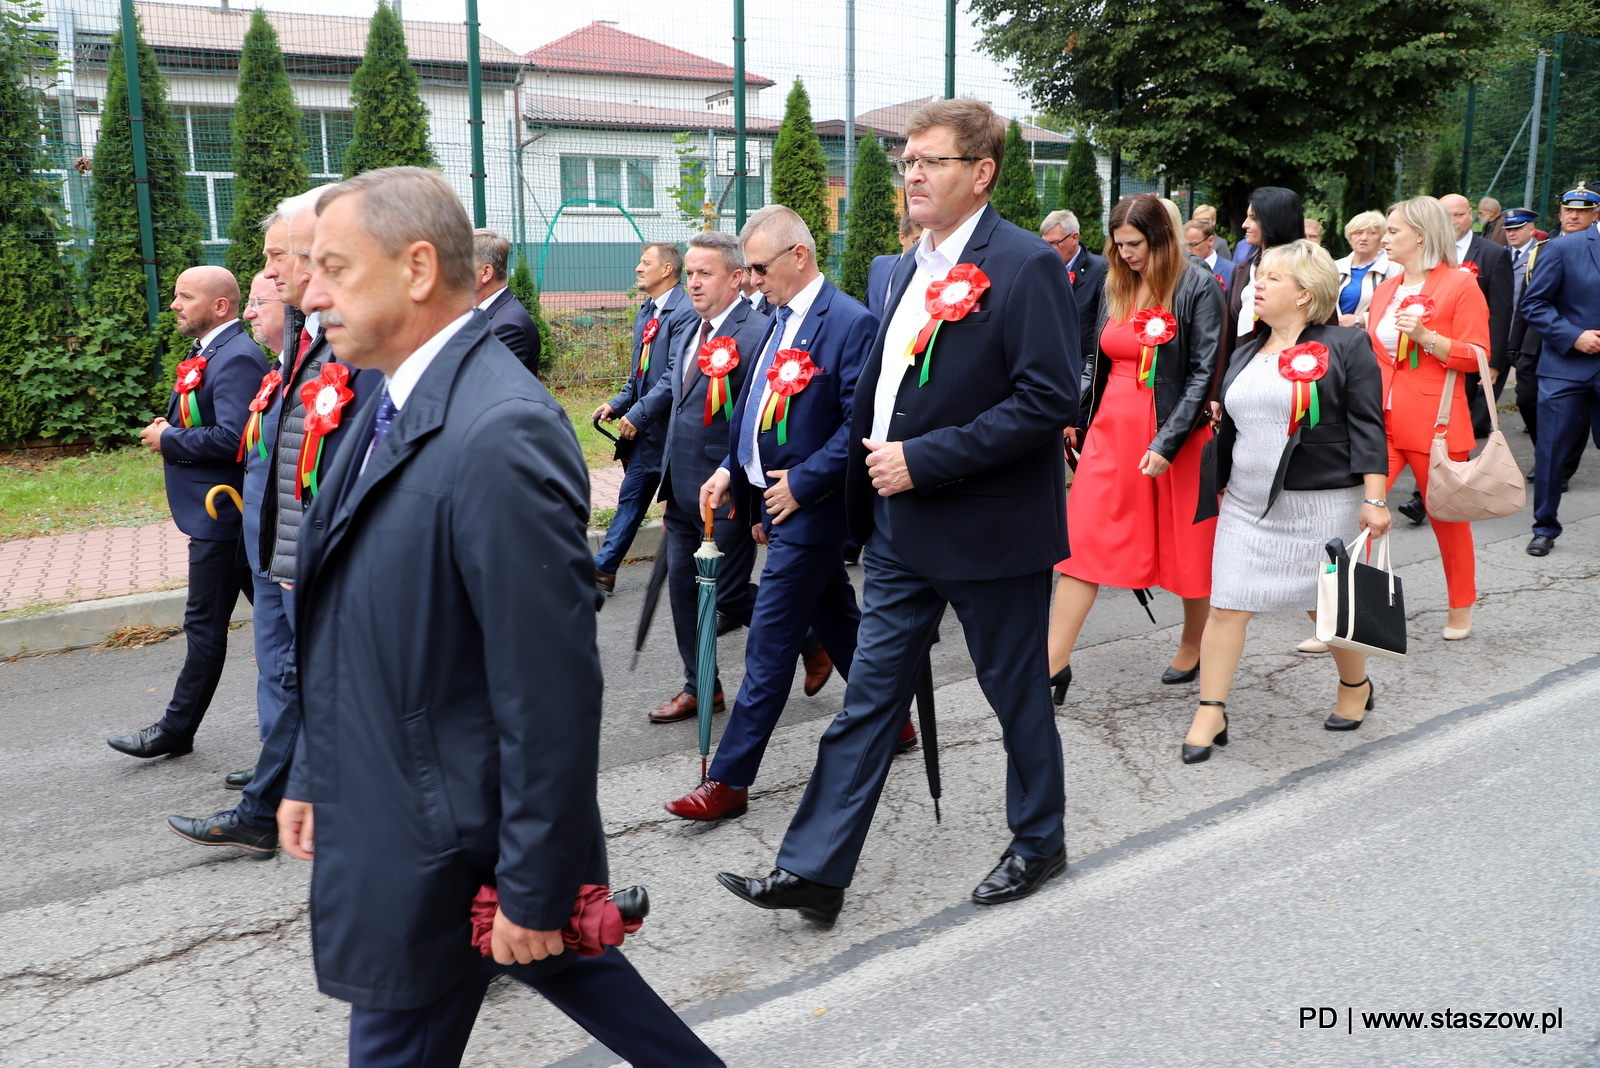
(86, 623)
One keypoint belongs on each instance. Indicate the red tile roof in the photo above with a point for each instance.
(542, 110)
(600, 48)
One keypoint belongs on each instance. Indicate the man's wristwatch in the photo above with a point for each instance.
(1377, 502)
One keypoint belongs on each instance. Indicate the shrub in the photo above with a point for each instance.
(93, 385)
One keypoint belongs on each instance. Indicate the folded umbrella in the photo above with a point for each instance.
(652, 598)
(707, 559)
(600, 918)
(930, 731)
(1144, 597)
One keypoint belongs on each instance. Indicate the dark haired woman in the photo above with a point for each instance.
(1274, 217)
(1131, 514)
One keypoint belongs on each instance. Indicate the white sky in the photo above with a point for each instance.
(899, 43)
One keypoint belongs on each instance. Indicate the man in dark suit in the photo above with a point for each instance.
(198, 442)
(881, 267)
(955, 485)
(696, 440)
(283, 476)
(507, 315)
(1562, 303)
(659, 329)
(1202, 243)
(1491, 264)
(1086, 272)
(443, 751)
(1522, 344)
(787, 478)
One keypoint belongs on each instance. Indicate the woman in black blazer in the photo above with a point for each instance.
(1286, 494)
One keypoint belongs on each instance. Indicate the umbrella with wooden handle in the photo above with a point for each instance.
(211, 499)
(707, 559)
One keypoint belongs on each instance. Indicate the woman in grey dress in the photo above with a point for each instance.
(1293, 474)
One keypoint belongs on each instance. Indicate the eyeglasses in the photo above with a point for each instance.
(256, 302)
(761, 268)
(1058, 242)
(930, 164)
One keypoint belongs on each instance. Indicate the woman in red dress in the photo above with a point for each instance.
(1134, 514)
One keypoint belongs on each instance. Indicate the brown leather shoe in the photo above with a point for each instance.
(908, 739)
(711, 800)
(818, 667)
(605, 583)
(682, 706)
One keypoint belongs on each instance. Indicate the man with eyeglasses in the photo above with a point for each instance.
(1086, 272)
(955, 485)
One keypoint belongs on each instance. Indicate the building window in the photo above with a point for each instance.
(574, 178)
(627, 183)
(608, 180)
(642, 183)
(328, 136)
(208, 152)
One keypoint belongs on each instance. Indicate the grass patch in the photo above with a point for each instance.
(116, 488)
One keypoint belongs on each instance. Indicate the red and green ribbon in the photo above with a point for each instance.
(1147, 365)
(251, 438)
(1306, 403)
(775, 409)
(922, 345)
(650, 330)
(717, 397)
(189, 410)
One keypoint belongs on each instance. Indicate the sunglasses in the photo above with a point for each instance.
(761, 268)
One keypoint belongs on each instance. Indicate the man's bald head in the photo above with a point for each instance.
(1460, 210)
(205, 298)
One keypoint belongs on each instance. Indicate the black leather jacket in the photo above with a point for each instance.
(1187, 368)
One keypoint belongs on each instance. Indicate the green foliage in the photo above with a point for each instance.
(1050, 200)
(1080, 193)
(391, 122)
(1014, 198)
(690, 192)
(116, 270)
(1444, 173)
(1242, 93)
(1555, 16)
(874, 220)
(269, 146)
(799, 170)
(93, 385)
(32, 275)
(523, 288)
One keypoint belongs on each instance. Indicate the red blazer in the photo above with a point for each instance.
(1411, 395)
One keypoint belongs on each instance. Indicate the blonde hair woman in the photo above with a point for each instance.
(1362, 270)
(1294, 475)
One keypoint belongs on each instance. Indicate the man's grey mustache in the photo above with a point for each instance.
(332, 318)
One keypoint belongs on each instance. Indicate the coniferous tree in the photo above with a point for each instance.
(1014, 196)
(1444, 173)
(32, 275)
(391, 121)
(1051, 198)
(874, 220)
(1080, 193)
(800, 171)
(269, 146)
(116, 270)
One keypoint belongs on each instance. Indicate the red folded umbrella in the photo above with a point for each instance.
(597, 921)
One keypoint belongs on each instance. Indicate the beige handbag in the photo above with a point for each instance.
(1486, 486)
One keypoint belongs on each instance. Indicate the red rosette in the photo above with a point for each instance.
(263, 397)
(325, 397)
(718, 357)
(1470, 267)
(1305, 362)
(1154, 326)
(957, 294)
(651, 328)
(190, 374)
(1220, 282)
(792, 369)
(1422, 301)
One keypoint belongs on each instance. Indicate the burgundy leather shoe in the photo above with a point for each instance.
(605, 583)
(818, 667)
(681, 707)
(711, 800)
(908, 739)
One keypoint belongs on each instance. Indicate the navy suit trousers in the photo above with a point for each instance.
(603, 995)
(216, 578)
(274, 632)
(1566, 412)
(258, 807)
(801, 586)
(1006, 621)
(639, 483)
(736, 594)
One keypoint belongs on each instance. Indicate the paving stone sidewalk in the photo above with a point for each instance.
(120, 560)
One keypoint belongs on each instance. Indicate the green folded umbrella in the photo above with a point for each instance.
(707, 559)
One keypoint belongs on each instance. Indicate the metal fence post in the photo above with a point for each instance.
(1550, 126)
(849, 110)
(1533, 133)
(950, 49)
(480, 216)
(141, 180)
(740, 203)
(1466, 142)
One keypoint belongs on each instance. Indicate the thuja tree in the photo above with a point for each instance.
(391, 121)
(269, 146)
(1080, 193)
(116, 270)
(1014, 197)
(799, 170)
(874, 220)
(32, 276)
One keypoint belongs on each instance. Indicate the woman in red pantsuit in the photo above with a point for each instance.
(1133, 518)
(1431, 319)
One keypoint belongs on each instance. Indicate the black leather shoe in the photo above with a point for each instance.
(1059, 684)
(151, 742)
(224, 828)
(1016, 877)
(1336, 722)
(1541, 545)
(786, 890)
(1172, 676)
(1199, 754)
(1413, 511)
(726, 624)
(238, 780)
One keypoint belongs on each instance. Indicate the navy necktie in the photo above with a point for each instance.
(758, 375)
(380, 425)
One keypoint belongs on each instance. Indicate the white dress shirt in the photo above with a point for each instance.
(1211, 260)
(799, 308)
(400, 384)
(483, 305)
(1463, 243)
(211, 335)
(691, 351)
(933, 265)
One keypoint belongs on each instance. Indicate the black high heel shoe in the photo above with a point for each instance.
(1060, 681)
(1172, 676)
(1336, 722)
(1195, 754)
